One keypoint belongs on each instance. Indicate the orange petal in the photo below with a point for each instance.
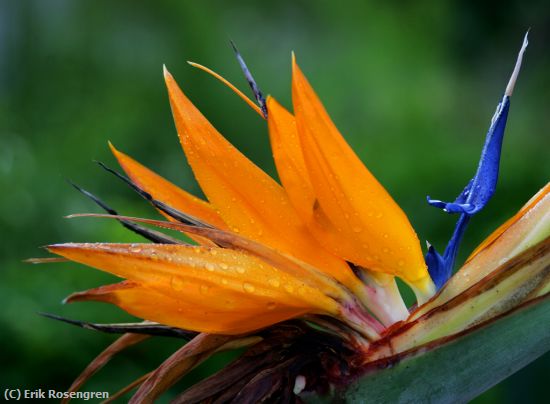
(289, 160)
(236, 317)
(247, 199)
(227, 239)
(164, 191)
(353, 215)
(203, 279)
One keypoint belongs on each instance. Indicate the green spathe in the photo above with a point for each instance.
(458, 368)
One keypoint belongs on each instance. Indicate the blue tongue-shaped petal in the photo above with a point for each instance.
(479, 190)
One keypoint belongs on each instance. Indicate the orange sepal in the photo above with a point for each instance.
(247, 199)
(164, 191)
(147, 303)
(353, 215)
(289, 159)
(213, 282)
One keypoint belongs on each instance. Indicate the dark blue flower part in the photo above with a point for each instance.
(260, 99)
(479, 190)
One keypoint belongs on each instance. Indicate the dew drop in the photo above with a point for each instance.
(379, 215)
(385, 235)
(224, 281)
(274, 282)
(289, 288)
(240, 270)
(248, 287)
(177, 283)
(271, 305)
(210, 267)
(224, 266)
(385, 250)
(214, 252)
(357, 229)
(401, 263)
(135, 248)
(204, 289)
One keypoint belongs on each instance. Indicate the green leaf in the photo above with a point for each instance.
(457, 368)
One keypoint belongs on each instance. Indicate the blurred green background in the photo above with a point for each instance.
(412, 85)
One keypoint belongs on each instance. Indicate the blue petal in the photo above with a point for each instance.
(479, 190)
(437, 268)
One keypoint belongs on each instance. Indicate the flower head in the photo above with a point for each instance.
(304, 269)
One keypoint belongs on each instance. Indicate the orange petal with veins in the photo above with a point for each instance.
(247, 199)
(164, 191)
(353, 215)
(289, 160)
(213, 282)
(147, 303)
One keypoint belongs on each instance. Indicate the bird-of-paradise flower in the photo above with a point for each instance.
(302, 273)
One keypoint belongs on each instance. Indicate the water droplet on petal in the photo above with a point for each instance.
(177, 283)
(135, 248)
(274, 282)
(204, 289)
(289, 288)
(240, 270)
(357, 229)
(210, 267)
(224, 266)
(248, 287)
(401, 263)
(271, 305)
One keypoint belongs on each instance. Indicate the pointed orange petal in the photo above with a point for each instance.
(229, 240)
(498, 232)
(289, 160)
(355, 217)
(248, 200)
(236, 318)
(206, 280)
(164, 191)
